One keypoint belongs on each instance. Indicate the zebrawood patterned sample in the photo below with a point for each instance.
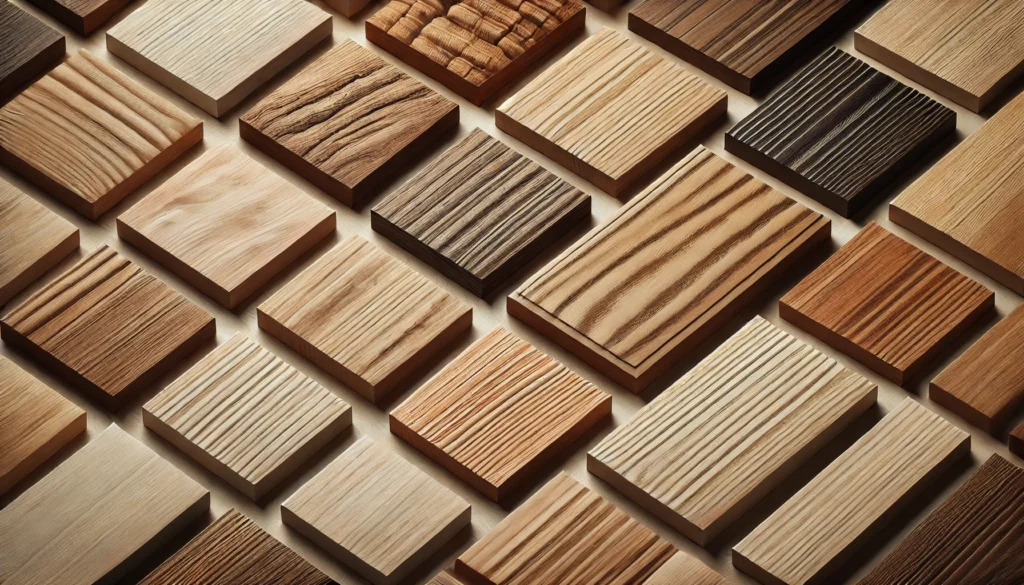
(27, 49)
(611, 110)
(83, 16)
(818, 528)
(480, 212)
(670, 267)
(840, 131)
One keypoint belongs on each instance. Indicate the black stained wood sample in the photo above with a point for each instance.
(28, 48)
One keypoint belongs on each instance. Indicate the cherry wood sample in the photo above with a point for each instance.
(83, 16)
(108, 327)
(480, 212)
(818, 528)
(27, 49)
(226, 224)
(668, 269)
(376, 512)
(611, 110)
(1017, 440)
(840, 131)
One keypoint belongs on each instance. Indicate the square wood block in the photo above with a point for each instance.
(82, 16)
(27, 49)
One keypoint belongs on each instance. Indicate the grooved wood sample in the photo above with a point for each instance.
(847, 503)
(364, 317)
(247, 415)
(226, 224)
(349, 122)
(89, 135)
(27, 49)
(670, 267)
(99, 513)
(840, 131)
(376, 512)
(480, 212)
(108, 327)
(886, 303)
(611, 110)
(725, 435)
(1017, 440)
(83, 16)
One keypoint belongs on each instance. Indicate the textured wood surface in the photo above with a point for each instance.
(27, 49)
(83, 16)
(611, 110)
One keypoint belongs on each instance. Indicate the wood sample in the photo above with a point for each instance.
(814, 532)
(226, 224)
(347, 8)
(214, 53)
(364, 317)
(349, 122)
(480, 212)
(27, 49)
(733, 428)
(886, 303)
(841, 131)
(611, 110)
(89, 135)
(446, 578)
(1017, 440)
(668, 269)
(83, 16)
(107, 327)
(376, 512)
(95, 516)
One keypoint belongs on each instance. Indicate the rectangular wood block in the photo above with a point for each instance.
(83, 16)
(27, 49)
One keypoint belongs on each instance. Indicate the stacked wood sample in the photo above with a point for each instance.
(27, 49)
(83, 16)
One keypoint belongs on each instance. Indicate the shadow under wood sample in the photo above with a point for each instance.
(1017, 440)
(83, 16)
(841, 131)
(480, 212)
(27, 49)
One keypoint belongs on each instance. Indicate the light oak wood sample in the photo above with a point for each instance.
(611, 110)
(27, 49)
(732, 429)
(108, 327)
(83, 16)
(96, 515)
(89, 135)
(1017, 440)
(226, 224)
(818, 528)
(670, 267)
(376, 512)
(364, 317)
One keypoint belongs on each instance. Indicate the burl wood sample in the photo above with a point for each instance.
(108, 327)
(83, 16)
(611, 110)
(349, 122)
(226, 224)
(668, 269)
(886, 303)
(27, 49)
(814, 532)
(95, 516)
(480, 212)
(376, 512)
(89, 135)
(840, 131)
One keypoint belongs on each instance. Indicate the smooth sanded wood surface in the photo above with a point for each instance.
(83, 16)
(480, 212)
(28, 48)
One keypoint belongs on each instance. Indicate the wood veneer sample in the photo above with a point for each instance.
(1017, 440)
(814, 532)
(27, 49)
(611, 110)
(670, 267)
(83, 16)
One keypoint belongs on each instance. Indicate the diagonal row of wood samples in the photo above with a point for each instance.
(28, 47)
(83, 16)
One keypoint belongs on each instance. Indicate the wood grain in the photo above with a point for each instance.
(83, 16)
(611, 110)
(1017, 440)
(446, 578)
(28, 48)
(670, 267)
(480, 212)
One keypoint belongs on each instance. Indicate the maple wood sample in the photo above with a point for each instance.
(84, 16)
(27, 49)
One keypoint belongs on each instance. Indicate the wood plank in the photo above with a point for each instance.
(814, 532)
(731, 430)
(1017, 440)
(670, 267)
(480, 212)
(886, 303)
(83, 16)
(28, 48)
(611, 110)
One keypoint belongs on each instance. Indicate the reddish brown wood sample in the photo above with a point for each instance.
(27, 49)
(84, 16)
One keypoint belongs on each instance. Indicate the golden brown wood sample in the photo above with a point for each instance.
(84, 16)
(27, 49)
(669, 268)
(611, 110)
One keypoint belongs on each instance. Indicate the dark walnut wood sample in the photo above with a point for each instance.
(1017, 440)
(840, 131)
(480, 212)
(83, 16)
(27, 49)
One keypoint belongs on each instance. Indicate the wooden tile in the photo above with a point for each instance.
(670, 267)
(27, 49)
(347, 8)
(841, 131)
(89, 135)
(349, 122)
(108, 327)
(247, 415)
(732, 429)
(226, 224)
(376, 512)
(231, 46)
(365, 317)
(98, 514)
(480, 212)
(611, 110)
(851, 500)
(1017, 441)
(83, 16)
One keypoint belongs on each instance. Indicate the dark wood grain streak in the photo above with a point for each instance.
(27, 49)
(84, 16)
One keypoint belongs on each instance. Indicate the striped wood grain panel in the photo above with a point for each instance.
(27, 49)
(83, 16)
